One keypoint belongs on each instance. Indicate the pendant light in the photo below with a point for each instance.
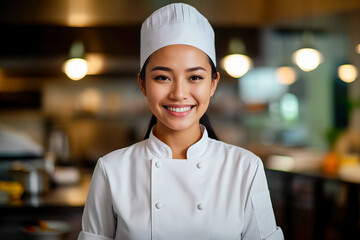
(285, 74)
(76, 66)
(236, 64)
(307, 58)
(347, 73)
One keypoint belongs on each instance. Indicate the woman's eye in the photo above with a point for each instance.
(194, 78)
(161, 78)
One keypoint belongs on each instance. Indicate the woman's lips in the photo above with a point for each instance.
(179, 111)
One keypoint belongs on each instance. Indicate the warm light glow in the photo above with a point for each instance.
(347, 73)
(91, 100)
(1, 74)
(286, 75)
(80, 13)
(95, 62)
(358, 48)
(2, 82)
(236, 65)
(307, 59)
(75, 68)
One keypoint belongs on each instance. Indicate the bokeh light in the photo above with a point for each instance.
(286, 75)
(347, 73)
(307, 59)
(75, 68)
(236, 65)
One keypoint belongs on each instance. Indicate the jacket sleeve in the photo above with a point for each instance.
(259, 219)
(98, 220)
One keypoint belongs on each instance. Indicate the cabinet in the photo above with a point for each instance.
(314, 205)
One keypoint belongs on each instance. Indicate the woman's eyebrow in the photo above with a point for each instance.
(161, 68)
(195, 69)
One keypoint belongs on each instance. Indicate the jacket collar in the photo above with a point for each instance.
(161, 150)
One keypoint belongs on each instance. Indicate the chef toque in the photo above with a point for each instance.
(176, 23)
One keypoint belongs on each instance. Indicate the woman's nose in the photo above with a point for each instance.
(179, 90)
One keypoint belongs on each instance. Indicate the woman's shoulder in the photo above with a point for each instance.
(126, 152)
(233, 152)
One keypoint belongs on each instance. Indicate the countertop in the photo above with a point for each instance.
(60, 203)
(72, 196)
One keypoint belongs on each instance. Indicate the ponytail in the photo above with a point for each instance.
(204, 120)
(153, 121)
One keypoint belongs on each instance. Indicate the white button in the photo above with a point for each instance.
(200, 165)
(158, 164)
(200, 206)
(159, 205)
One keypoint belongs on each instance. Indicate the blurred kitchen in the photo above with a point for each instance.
(68, 95)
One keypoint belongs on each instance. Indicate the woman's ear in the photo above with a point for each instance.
(141, 85)
(215, 83)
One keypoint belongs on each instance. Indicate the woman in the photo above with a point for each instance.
(179, 183)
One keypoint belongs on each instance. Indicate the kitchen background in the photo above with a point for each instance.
(305, 124)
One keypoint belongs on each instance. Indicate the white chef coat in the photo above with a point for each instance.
(218, 192)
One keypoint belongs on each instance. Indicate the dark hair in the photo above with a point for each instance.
(204, 120)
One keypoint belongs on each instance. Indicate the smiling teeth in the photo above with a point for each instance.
(183, 109)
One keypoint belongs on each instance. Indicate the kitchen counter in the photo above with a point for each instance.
(63, 203)
(70, 196)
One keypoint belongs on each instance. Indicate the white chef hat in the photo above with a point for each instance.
(176, 23)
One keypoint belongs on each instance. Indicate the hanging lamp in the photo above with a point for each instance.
(307, 58)
(76, 66)
(357, 48)
(236, 64)
(347, 73)
(285, 73)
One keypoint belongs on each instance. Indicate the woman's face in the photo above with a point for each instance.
(178, 86)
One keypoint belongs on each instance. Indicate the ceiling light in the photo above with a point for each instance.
(347, 73)
(286, 75)
(236, 65)
(75, 68)
(307, 58)
(95, 62)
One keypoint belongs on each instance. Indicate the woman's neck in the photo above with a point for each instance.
(178, 140)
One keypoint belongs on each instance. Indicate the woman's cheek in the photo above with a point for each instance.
(203, 91)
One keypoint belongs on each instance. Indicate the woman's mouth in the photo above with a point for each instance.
(175, 109)
(179, 111)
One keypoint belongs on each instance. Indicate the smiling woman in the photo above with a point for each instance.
(179, 183)
(178, 86)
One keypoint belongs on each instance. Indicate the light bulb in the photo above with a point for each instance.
(347, 73)
(358, 48)
(75, 68)
(236, 65)
(95, 62)
(307, 59)
(286, 75)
